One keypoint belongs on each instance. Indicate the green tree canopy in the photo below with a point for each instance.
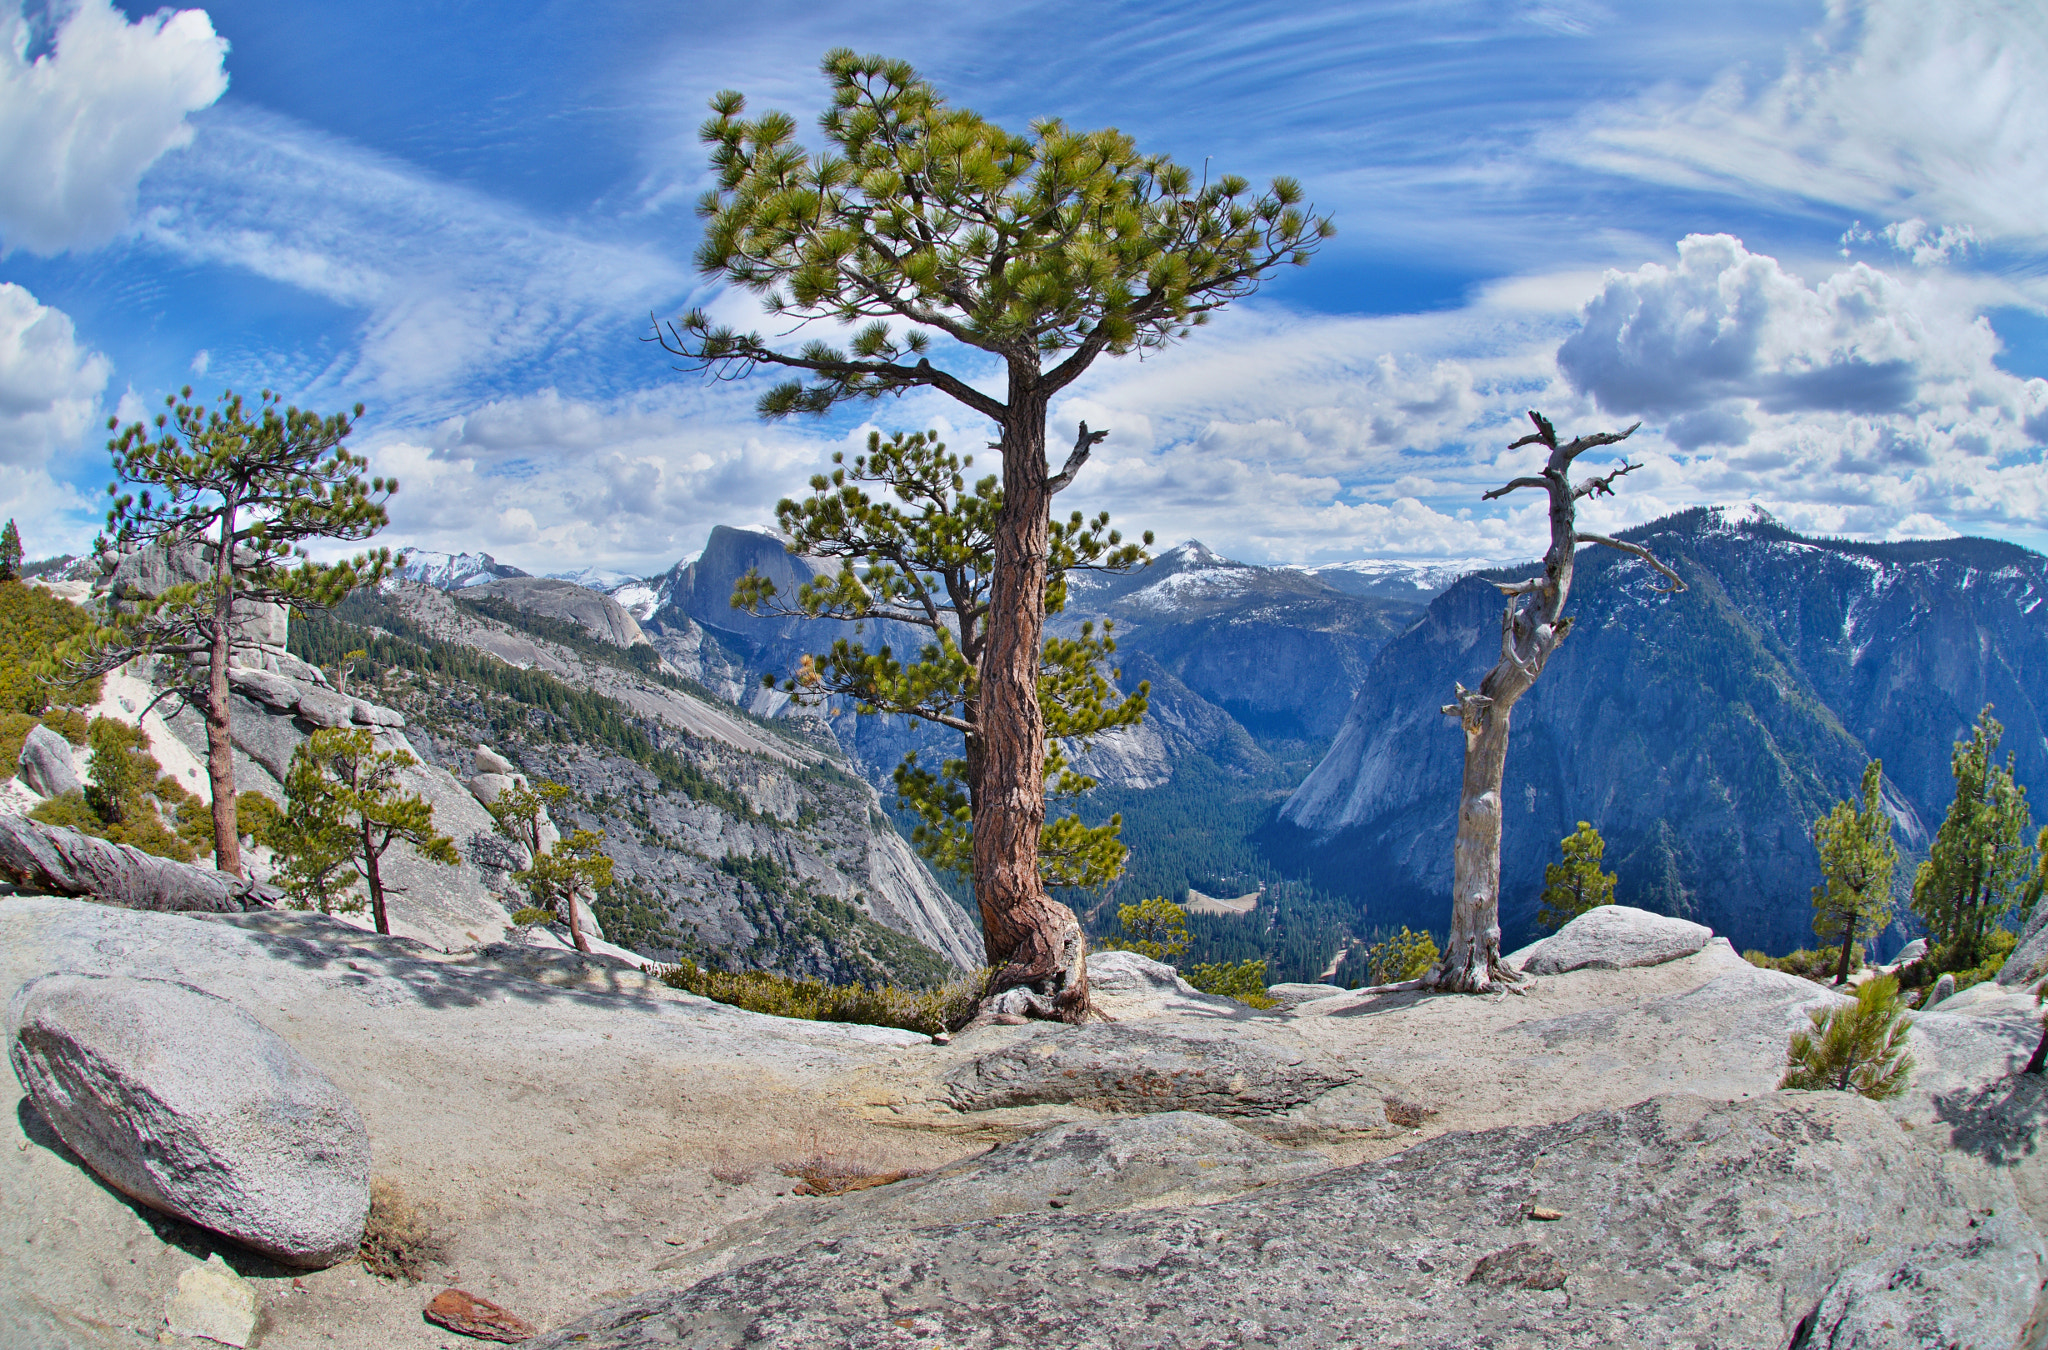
(1576, 885)
(1980, 863)
(557, 870)
(10, 553)
(246, 491)
(345, 806)
(944, 239)
(1157, 928)
(919, 552)
(1857, 858)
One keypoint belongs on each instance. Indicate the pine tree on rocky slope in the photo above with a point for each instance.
(1053, 247)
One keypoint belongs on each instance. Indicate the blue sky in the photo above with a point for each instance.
(1804, 243)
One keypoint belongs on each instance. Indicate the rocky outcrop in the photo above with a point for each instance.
(594, 612)
(1700, 732)
(57, 860)
(1125, 985)
(1613, 937)
(1770, 1219)
(186, 1103)
(46, 763)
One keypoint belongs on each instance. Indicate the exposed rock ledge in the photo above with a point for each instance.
(590, 1139)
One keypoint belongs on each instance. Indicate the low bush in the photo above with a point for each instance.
(1856, 1047)
(399, 1242)
(1404, 956)
(129, 800)
(1155, 928)
(1808, 964)
(931, 1011)
(1244, 981)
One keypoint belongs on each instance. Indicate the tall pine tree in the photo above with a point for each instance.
(246, 492)
(1857, 859)
(1981, 861)
(944, 240)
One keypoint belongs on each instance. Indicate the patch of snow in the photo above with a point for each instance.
(596, 579)
(454, 571)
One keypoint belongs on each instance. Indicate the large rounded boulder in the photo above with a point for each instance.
(187, 1104)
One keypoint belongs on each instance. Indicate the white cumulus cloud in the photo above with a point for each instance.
(50, 387)
(81, 123)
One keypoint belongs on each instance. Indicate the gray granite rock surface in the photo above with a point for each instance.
(1614, 937)
(186, 1103)
(46, 764)
(1765, 1217)
(57, 860)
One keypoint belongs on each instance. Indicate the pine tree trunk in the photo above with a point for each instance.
(1035, 941)
(220, 751)
(1848, 939)
(576, 937)
(376, 880)
(2040, 1057)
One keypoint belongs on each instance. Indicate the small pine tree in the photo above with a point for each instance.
(1856, 1047)
(1404, 956)
(1979, 865)
(344, 809)
(554, 875)
(1577, 884)
(10, 553)
(1857, 858)
(1157, 928)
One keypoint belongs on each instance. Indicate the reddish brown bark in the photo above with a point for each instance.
(220, 753)
(1035, 942)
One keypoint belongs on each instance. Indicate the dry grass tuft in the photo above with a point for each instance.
(822, 1175)
(399, 1242)
(1406, 1114)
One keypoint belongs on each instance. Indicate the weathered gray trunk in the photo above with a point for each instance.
(1471, 958)
(1531, 629)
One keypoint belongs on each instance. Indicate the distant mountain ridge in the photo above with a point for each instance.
(1701, 732)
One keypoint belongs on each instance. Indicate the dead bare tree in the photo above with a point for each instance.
(1530, 632)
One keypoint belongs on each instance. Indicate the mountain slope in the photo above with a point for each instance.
(1701, 732)
(736, 841)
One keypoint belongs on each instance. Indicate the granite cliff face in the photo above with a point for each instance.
(1701, 732)
(735, 840)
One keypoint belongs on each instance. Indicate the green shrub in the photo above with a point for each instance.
(129, 800)
(32, 623)
(1808, 964)
(931, 1011)
(1857, 1047)
(1404, 956)
(1244, 981)
(531, 916)
(1157, 928)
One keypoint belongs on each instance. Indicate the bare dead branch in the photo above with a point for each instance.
(1083, 443)
(1543, 483)
(1581, 444)
(1677, 584)
(1603, 486)
(1520, 587)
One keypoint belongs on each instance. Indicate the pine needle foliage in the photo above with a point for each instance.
(1980, 864)
(1050, 242)
(1404, 956)
(1244, 981)
(345, 806)
(1576, 885)
(1855, 1047)
(246, 487)
(1157, 928)
(1857, 858)
(915, 546)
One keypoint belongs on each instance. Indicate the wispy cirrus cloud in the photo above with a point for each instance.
(460, 294)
